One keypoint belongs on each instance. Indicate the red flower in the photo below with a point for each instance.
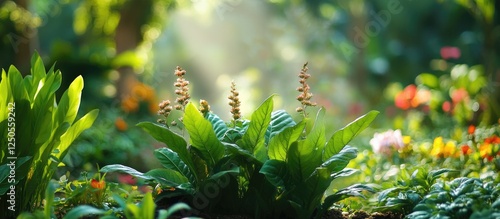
(492, 140)
(459, 95)
(98, 184)
(447, 106)
(466, 150)
(449, 52)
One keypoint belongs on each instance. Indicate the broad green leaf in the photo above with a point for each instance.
(350, 191)
(280, 143)
(169, 159)
(171, 139)
(276, 172)
(218, 124)
(202, 135)
(343, 136)
(235, 170)
(74, 131)
(313, 189)
(306, 155)
(254, 138)
(124, 169)
(280, 120)
(83, 210)
(340, 160)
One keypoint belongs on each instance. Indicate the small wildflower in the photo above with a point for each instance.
(182, 90)
(387, 142)
(164, 110)
(305, 96)
(471, 129)
(466, 150)
(204, 107)
(120, 124)
(96, 184)
(234, 102)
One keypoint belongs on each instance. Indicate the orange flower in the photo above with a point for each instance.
(120, 124)
(98, 184)
(471, 129)
(130, 104)
(486, 149)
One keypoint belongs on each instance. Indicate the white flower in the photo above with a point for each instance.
(387, 142)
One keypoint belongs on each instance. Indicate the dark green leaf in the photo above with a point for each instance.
(340, 160)
(171, 139)
(169, 159)
(167, 177)
(218, 124)
(280, 120)
(276, 172)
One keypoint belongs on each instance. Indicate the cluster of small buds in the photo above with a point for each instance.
(304, 96)
(164, 110)
(234, 102)
(182, 90)
(204, 107)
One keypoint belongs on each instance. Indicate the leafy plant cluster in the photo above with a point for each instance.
(423, 194)
(267, 166)
(460, 198)
(408, 190)
(36, 132)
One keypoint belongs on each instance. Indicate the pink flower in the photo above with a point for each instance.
(387, 142)
(449, 52)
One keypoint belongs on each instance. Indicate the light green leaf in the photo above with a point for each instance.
(75, 130)
(148, 206)
(280, 143)
(202, 135)
(67, 109)
(343, 136)
(254, 138)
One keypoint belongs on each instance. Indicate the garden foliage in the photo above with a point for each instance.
(36, 131)
(268, 166)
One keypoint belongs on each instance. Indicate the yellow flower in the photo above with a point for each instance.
(440, 149)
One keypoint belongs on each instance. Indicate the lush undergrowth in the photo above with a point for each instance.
(439, 158)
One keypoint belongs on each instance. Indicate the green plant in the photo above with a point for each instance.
(460, 198)
(35, 132)
(268, 166)
(409, 190)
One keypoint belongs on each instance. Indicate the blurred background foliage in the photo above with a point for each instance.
(362, 54)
